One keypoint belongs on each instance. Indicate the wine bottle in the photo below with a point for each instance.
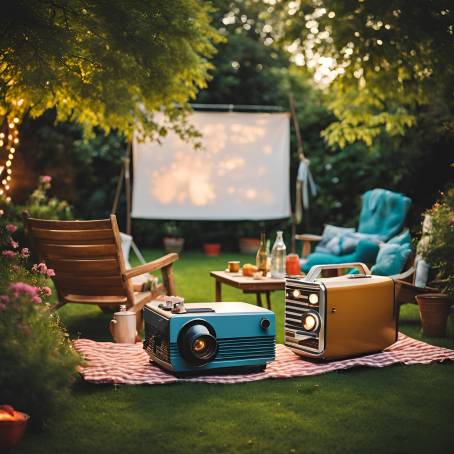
(262, 256)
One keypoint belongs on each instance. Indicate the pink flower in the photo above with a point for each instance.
(14, 268)
(37, 300)
(21, 288)
(9, 254)
(4, 299)
(42, 268)
(50, 272)
(46, 291)
(14, 244)
(45, 179)
(25, 252)
(11, 228)
(2, 213)
(2, 307)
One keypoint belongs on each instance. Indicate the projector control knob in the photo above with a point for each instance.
(265, 323)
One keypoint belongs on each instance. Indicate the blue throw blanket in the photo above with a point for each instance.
(346, 242)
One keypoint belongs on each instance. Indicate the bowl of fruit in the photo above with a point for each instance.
(249, 269)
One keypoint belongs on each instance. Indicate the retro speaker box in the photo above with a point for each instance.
(339, 317)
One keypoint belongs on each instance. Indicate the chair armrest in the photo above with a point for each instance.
(149, 267)
(308, 237)
(406, 292)
(406, 275)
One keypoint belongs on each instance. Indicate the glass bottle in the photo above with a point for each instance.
(261, 258)
(278, 254)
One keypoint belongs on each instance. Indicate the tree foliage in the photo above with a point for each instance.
(389, 58)
(105, 63)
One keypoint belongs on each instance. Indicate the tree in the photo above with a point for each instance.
(104, 63)
(248, 68)
(389, 59)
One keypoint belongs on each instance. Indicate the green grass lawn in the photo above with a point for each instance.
(397, 409)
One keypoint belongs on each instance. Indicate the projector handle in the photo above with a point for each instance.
(317, 269)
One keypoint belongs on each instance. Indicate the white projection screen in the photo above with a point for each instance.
(241, 172)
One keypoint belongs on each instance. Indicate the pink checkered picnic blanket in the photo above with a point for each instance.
(128, 364)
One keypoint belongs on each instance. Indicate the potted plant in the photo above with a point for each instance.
(212, 231)
(438, 251)
(173, 241)
(249, 241)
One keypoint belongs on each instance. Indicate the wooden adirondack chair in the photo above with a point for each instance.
(89, 265)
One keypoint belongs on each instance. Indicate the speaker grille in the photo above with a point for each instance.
(297, 304)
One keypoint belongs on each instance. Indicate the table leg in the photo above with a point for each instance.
(268, 300)
(259, 299)
(218, 291)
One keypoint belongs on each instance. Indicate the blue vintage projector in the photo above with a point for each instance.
(209, 337)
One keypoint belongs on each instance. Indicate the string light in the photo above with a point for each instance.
(8, 141)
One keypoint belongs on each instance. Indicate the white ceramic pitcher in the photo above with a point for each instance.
(123, 327)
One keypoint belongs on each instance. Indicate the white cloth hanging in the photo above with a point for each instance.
(305, 187)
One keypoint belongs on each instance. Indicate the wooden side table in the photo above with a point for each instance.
(247, 285)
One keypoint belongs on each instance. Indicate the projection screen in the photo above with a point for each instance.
(241, 172)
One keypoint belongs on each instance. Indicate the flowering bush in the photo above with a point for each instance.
(438, 251)
(38, 363)
(39, 205)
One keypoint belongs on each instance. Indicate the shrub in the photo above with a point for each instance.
(439, 250)
(38, 363)
(39, 205)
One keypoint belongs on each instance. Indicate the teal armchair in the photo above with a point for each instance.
(382, 217)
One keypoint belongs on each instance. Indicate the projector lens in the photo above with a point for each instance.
(197, 343)
(311, 321)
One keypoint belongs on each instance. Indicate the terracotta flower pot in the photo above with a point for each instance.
(249, 245)
(433, 311)
(212, 249)
(12, 427)
(173, 244)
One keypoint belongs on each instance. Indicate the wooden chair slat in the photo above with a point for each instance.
(95, 299)
(76, 251)
(70, 225)
(73, 236)
(76, 281)
(96, 267)
(95, 291)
